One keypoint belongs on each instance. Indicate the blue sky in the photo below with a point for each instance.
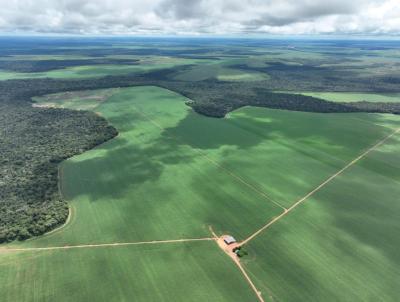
(201, 17)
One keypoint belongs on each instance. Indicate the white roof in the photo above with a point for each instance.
(229, 239)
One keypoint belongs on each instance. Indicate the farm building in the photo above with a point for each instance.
(229, 240)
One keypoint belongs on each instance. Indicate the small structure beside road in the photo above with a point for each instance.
(228, 239)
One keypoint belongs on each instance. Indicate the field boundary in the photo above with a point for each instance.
(70, 213)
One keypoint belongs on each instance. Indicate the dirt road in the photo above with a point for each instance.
(67, 247)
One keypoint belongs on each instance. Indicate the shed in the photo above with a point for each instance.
(229, 240)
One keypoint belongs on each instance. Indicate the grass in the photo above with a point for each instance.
(355, 97)
(197, 271)
(161, 178)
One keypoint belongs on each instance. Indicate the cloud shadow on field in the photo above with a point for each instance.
(123, 166)
(203, 132)
(248, 128)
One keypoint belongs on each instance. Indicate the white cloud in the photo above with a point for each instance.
(201, 16)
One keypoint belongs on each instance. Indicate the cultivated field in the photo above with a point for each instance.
(341, 245)
(355, 97)
(196, 271)
(171, 174)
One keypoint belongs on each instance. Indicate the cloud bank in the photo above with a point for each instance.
(201, 17)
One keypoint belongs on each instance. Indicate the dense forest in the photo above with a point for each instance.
(35, 140)
(216, 99)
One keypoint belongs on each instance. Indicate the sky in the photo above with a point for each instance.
(201, 17)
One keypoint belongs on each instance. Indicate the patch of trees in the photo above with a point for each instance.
(293, 102)
(33, 142)
(375, 107)
(46, 65)
(216, 99)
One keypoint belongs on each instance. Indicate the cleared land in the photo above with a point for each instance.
(171, 174)
(355, 97)
(77, 100)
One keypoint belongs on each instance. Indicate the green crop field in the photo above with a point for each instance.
(171, 174)
(171, 272)
(283, 158)
(355, 97)
(341, 245)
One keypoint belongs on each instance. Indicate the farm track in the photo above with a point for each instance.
(301, 200)
(83, 246)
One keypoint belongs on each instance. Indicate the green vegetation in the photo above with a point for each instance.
(172, 173)
(355, 97)
(294, 157)
(196, 271)
(136, 175)
(33, 143)
(148, 161)
(88, 68)
(262, 98)
(220, 72)
(341, 244)
(76, 100)
(46, 65)
(240, 252)
(247, 136)
(83, 72)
